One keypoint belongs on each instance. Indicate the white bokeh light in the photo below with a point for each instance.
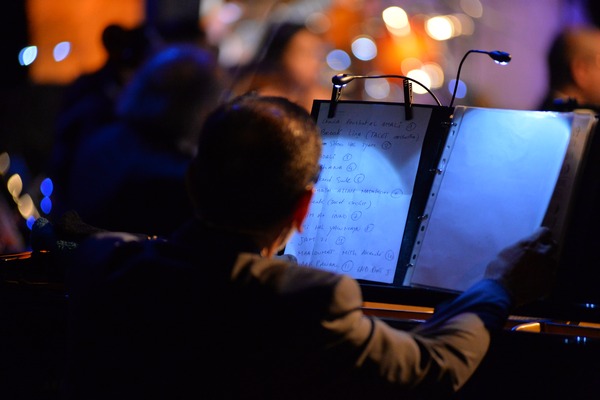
(338, 60)
(377, 88)
(364, 48)
(435, 72)
(439, 28)
(396, 21)
(61, 51)
(27, 55)
(422, 77)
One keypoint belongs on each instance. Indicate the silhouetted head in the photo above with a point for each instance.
(127, 47)
(256, 157)
(171, 94)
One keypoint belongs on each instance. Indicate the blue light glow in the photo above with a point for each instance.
(364, 48)
(61, 51)
(30, 222)
(28, 55)
(47, 187)
(461, 91)
(338, 60)
(46, 205)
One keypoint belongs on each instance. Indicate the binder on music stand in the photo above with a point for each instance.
(428, 202)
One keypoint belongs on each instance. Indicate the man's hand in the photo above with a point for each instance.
(528, 268)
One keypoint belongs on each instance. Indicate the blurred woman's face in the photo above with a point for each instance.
(304, 58)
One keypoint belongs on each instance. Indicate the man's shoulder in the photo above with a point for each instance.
(283, 271)
(296, 283)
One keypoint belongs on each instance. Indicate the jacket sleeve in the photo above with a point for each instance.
(437, 357)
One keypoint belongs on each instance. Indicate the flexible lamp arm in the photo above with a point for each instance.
(341, 80)
(500, 57)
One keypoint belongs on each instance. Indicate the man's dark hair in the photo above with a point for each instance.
(256, 156)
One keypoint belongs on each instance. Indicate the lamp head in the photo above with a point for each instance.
(500, 57)
(340, 80)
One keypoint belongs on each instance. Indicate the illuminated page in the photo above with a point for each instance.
(357, 217)
(497, 177)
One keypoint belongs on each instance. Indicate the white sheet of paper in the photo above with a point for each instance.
(358, 215)
(496, 185)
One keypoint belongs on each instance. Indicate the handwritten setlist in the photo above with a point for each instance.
(358, 214)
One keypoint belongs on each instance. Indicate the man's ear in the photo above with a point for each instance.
(302, 207)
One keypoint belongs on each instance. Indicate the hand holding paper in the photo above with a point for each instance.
(526, 268)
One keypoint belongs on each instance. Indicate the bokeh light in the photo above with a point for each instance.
(61, 51)
(473, 8)
(435, 73)
(25, 205)
(396, 21)
(364, 48)
(47, 187)
(439, 27)
(14, 184)
(27, 55)
(461, 90)
(338, 60)
(46, 205)
(467, 26)
(421, 76)
(377, 88)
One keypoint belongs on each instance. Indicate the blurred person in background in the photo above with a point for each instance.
(573, 62)
(88, 103)
(129, 175)
(289, 62)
